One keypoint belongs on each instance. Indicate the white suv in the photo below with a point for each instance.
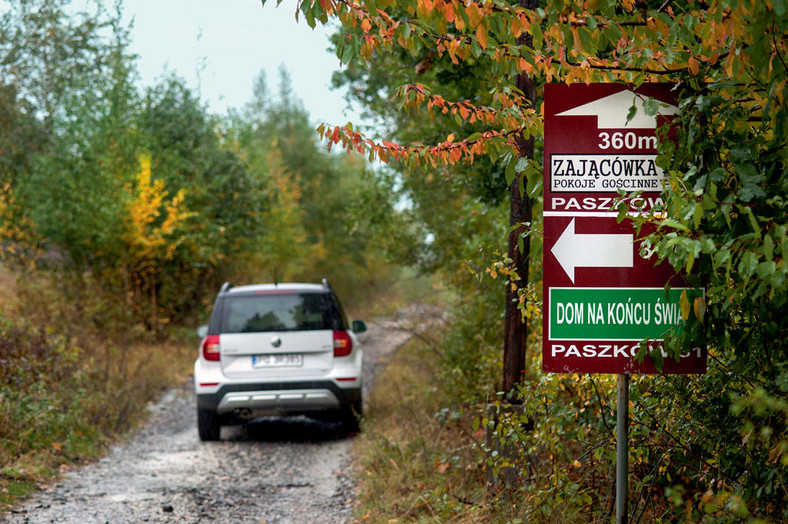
(277, 349)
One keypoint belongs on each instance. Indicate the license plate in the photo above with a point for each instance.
(278, 360)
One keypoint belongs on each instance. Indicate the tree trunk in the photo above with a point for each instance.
(516, 330)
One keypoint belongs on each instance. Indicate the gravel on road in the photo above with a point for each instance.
(268, 471)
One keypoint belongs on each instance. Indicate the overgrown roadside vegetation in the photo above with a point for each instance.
(415, 463)
(440, 445)
(67, 386)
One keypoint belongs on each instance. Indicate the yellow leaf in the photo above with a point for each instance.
(459, 23)
(474, 15)
(144, 209)
(685, 305)
(424, 7)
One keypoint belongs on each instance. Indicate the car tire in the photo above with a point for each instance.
(351, 418)
(208, 425)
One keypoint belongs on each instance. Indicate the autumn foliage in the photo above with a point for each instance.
(711, 448)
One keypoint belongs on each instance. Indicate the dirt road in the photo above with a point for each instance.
(270, 471)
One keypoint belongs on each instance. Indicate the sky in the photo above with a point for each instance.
(220, 46)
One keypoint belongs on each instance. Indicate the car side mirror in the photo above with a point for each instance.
(202, 331)
(358, 326)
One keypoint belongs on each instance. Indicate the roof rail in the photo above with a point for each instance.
(225, 287)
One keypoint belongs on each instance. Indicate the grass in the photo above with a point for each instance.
(425, 455)
(418, 462)
(72, 379)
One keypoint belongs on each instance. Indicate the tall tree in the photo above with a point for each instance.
(313, 195)
(46, 52)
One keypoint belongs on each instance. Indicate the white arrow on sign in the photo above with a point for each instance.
(611, 111)
(592, 250)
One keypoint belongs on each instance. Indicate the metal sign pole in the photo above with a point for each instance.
(622, 449)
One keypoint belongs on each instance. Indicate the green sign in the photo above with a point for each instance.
(614, 313)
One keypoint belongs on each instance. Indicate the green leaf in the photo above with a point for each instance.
(510, 172)
(642, 351)
(651, 106)
(633, 110)
(753, 221)
(538, 36)
(587, 40)
(674, 224)
(697, 215)
(749, 261)
(659, 361)
(768, 247)
(750, 179)
(764, 270)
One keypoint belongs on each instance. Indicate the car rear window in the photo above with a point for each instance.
(279, 312)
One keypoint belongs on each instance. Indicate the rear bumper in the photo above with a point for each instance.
(278, 398)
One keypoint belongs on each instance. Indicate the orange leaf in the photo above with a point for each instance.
(448, 12)
(525, 23)
(366, 25)
(526, 66)
(515, 27)
(699, 306)
(694, 66)
(481, 36)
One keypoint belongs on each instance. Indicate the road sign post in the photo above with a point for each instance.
(622, 448)
(602, 300)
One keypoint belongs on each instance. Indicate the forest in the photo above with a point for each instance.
(123, 209)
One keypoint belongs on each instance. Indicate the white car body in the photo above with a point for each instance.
(277, 349)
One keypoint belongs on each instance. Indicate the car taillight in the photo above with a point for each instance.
(342, 344)
(210, 347)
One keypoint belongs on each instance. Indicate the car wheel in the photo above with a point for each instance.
(208, 425)
(351, 417)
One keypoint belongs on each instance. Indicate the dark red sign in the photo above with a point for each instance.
(602, 296)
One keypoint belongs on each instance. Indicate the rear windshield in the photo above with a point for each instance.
(279, 312)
